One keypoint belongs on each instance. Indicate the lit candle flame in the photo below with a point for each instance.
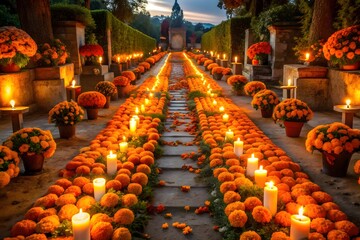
(235, 59)
(124, 139)
(118, 59)
(214, 102)
(289, 82)
(221, 109)
(100, 60)
(348, 101)
(224, 56)
(261, 167)
(137, 110)
(301, 211)
(252, 155)
(307, 56)
(12, 103)
(80, 210)
(218, 56)
(73, 83)
(270, 184)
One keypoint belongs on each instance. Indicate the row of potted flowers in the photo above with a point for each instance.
(119, 209)
(241, 199)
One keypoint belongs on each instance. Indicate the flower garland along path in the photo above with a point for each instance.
(121, 211)
(237, 202)
(180, 201)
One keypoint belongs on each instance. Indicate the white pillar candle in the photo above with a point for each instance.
(300, 226)
(260, 176)
(225, 117)
(270, 197)
(99, 188)
(81, 226)
(238, 147)
(252, 165)
(137, 119)
(132, 125)
(111, 163)
(123, 145)
(229, 136)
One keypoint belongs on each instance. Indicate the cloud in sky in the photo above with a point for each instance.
(205, 11)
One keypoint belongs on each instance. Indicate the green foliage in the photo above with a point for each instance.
(72, 12)
(227, 37)
(191, 105)
(19, 59)
(124, 38)
(158, 151)
(7, 18)
(282, 13)
(348, 14)
(64, 229)
(196, 94)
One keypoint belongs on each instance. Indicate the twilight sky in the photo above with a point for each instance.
(204, 11)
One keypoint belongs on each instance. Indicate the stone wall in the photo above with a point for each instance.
(344, 84)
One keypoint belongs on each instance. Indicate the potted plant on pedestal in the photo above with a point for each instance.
(217, 73)
(266, 100)
(107, 89)
(258, 53)
(253, 87)
(237, 82)
(15, 49)
(293, 113)
(33, 145)
(91, 101)
(65, 115)
(336, 142)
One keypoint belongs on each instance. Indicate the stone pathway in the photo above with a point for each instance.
(171, 164)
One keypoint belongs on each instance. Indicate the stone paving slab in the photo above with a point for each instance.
(177, 108)
(177, 102)
(180, 177)
(202, 226)
(183, 139)
(169, 150)
(174, 197)
(177, 111)
(173, 162)
(176, 134)
(170, 120)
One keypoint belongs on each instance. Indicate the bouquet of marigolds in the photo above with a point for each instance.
(106, 88)
(251, 88)
(121, 81)
(292, 110)
(53, 54)
(343, 46)
(258, 50)
(129, 74)
(9, 165)
(66, 113)
(91, 53)
(265, 99)
(16, 46)
(227, 71)
(333, 138)
(237, 82)
(32, 141)
(217, 70)
(91, 99)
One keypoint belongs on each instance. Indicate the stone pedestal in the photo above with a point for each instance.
(72, 33)
(236, 68)
(65, 72)
(48, 93)
(258, 73)
(282, 43)
(88, 79)
(224, 63)
(116, 69)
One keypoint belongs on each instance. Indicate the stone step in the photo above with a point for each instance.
(171, 151)
(181, 177)
(174, 162)
(176, 134)
(177, 101)
(177, 105)
(178, 108)
(170, 120)
(174, 197)
(183, 139)
(201, 224)
(176, 111)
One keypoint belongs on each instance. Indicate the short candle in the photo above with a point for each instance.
(348, 101)
(270, 197)
(81, 226)
(221, 109)
(238, 147)
(229, 136)
(289, 82)
(123, 145)
(111, 163)
(300, 226)
(12, 103)
(235, 59)
(225, 117)
(99, 188)
(260, 176)
(132, 125)
(252, 165)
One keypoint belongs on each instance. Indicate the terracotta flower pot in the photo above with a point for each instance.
(67, 131)
(335, 165)
(92, 113)
(267, 112)
(33, 164)
(351, 67)
(293, 129)
(9, 68)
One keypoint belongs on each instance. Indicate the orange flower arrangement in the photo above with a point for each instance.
(251, 88)
(207, 62)
(237, 82)
(292, 110)
(146, 65)
(343, 47)
(52, 54)
(9, 165)
(121, 81)
(32, 141)
(217, 70)
(264, 99)
(333, 138)
(16, 46)
(106, 88)
(258, 50)
(129, 74)
(211, 66)
(227, 71)
(66, 113)
(91, 99)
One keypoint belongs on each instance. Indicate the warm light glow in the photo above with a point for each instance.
(12, 103)
(261, 167)
(124, 139)
(270, 184)
(214, 102)
(111, 154)
(224, 56)
(212, 53)
(221, 109)
(136, 110)
(235, 59)
(289, 82)
(118, 59)
(348, 101)
(100, 60)
(301, 211)
(73, 83)
(218, 56)
(307, 56)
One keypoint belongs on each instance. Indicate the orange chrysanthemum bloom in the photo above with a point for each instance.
(237, 218)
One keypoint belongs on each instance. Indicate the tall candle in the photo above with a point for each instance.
(81, 226)
(260, 176)
(99, 188)
(229, 136)
(111, 163)
(300, 226)
(225, 117)
(132, 125)
(238, 147)
(123, 145)
(270, 197)
(252, 165)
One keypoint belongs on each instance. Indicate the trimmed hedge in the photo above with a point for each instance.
(124, 39)
(227, 37)
(71, 12)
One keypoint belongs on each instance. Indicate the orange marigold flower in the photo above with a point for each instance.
(165, 226)
(234, 206)
(251, 203)
(124, 216)
(316, 236)
(279, 236)
(261, 214)
(337, 235)
(237, 218)
(348, 227)
(109, 200)
(283, 218)
(322, 225)
(250, 235)
(231, 196)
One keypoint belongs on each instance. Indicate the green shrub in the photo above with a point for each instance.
(348, 14)
(71, 12)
